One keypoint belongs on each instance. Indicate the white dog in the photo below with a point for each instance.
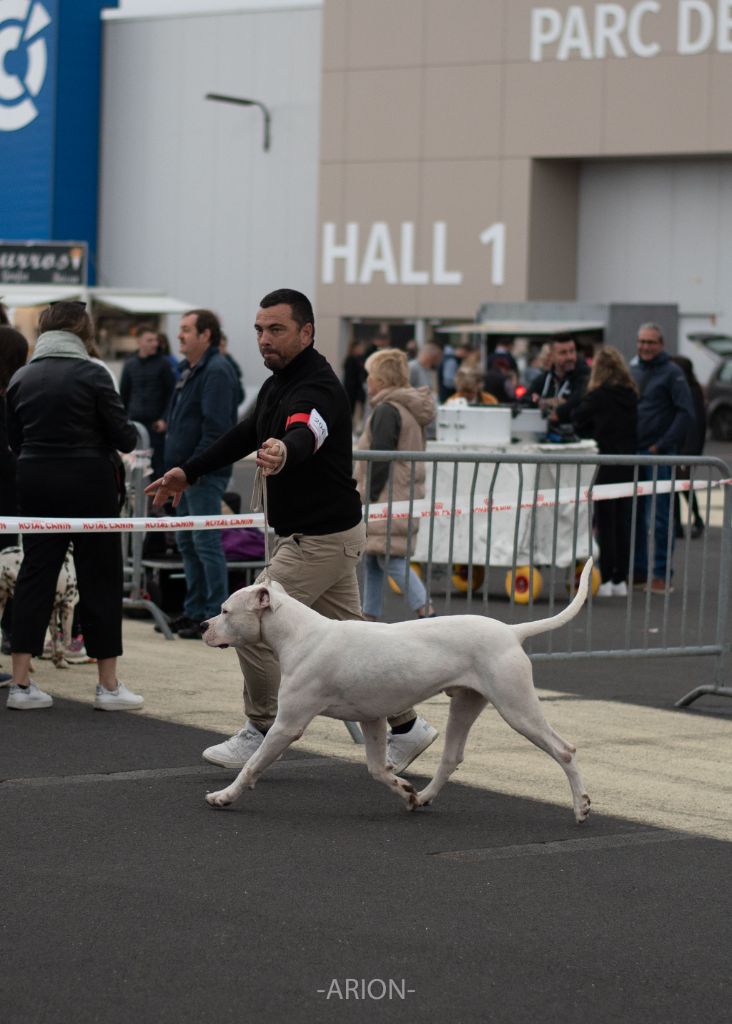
(366, 671)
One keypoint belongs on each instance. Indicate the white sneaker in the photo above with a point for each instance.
(120, 699)
(403, 748)
(605, 590)
(620, 589)
(236, 751)
(27, 698)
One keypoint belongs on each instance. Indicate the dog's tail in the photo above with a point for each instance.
(526, 629)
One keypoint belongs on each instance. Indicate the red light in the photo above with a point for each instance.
(520, 391)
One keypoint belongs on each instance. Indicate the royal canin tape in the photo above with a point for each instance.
(418, 509)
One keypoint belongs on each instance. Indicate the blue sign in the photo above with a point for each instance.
(50, 67)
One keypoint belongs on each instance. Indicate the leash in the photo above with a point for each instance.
(259, 504)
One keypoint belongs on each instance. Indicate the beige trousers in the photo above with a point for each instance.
(320, 572)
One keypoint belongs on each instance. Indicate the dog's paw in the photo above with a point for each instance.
(407, 792)
(414, 802)
(221, 798)
(582, 812)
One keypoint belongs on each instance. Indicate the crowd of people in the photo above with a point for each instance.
(654, 405)
(63, 424)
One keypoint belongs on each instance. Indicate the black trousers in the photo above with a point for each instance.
(69, 488)
(613, 519)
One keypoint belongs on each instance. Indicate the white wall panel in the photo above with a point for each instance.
(190, 202)
(659, 231)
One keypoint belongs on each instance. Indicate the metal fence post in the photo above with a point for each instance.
(136, 596)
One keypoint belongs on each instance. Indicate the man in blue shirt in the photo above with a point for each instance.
(202, 408)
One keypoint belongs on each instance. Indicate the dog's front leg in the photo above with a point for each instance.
(51, 643)
(277, 740)
(374, 734)
(465, 706)
(66, 622)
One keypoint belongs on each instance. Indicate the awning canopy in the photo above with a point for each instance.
(142, 302)
(525, 328)
(18, 296)
(138, 301)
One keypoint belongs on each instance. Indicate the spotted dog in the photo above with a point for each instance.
(58, 636)
(366, 671)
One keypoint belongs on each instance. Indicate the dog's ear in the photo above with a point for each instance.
(263, 598)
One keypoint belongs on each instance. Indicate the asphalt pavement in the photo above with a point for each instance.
(318, 898)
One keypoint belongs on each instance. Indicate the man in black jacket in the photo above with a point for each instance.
(559, 390)
(300, 428)
(145, 387)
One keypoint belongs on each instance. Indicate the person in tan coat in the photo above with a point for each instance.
(398, 418)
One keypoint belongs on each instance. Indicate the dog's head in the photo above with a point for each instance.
(240, 620)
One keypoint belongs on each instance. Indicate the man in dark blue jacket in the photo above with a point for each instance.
(665, 411)
(145, 388)
(202, 408)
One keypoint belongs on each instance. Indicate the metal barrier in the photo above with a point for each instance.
(135, 594)
(522, 525)
(136, 566)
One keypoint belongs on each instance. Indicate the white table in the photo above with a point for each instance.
(569, 518)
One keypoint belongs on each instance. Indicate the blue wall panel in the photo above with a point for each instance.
(50, 57)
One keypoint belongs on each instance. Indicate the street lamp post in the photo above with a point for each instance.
(241, 102)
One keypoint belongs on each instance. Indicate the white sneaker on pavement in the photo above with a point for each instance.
(620, 589)
(28, 698)
(605, 590)
(403, 748)
(236, 751)
(120, 699)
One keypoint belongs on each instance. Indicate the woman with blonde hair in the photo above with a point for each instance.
(399, 414)
(608, 413)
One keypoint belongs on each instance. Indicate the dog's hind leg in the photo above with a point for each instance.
(277, 740)
(465, 706)
(374, 735)
(523, 712)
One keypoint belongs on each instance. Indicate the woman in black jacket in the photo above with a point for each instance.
(13, 354)
(66, 423)
(608, 413)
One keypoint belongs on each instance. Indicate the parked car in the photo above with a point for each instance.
(719, 344)
(719, 402)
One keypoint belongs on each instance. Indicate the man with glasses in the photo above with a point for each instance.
(665, 411)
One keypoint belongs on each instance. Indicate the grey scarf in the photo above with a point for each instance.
(59, 345)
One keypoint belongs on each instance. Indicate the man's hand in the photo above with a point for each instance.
(272, 456)
(170, 485)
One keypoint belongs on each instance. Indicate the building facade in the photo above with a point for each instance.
(508, 151)
(427, 156)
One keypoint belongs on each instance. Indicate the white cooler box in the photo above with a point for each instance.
(529, 425)
(465, 424)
